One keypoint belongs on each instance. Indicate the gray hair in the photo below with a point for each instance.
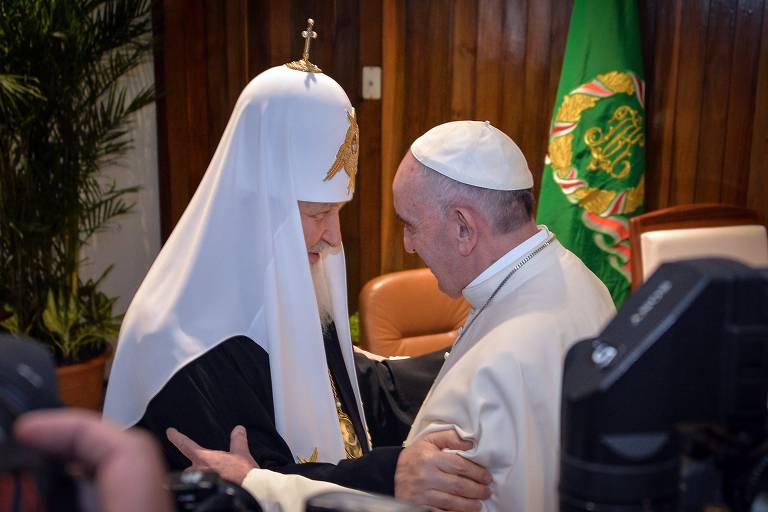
(504, 210)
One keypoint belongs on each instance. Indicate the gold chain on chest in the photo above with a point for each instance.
(528, 257)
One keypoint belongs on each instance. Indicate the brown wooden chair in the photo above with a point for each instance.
(695, 230)
(405, 314)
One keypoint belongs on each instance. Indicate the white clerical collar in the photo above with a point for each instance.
(476, 293)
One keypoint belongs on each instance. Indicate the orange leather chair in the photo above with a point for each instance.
(695, 231)
(405, 314)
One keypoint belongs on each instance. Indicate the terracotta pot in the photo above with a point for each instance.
(82, 384)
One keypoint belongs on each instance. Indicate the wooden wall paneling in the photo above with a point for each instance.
(417, 67)
(717, 71)
(648, 12)
(369, 182)
(661, 100)
(257, 21)
(282, 32)
(489, 51)
(534, 137)
(741, 101)
(345, 69)
(419, 63)
(170, 107)
(515, 30)
(561, 18)
(183, 107)
(236, 33)
(650, 17)
(757, 195)
(463, 59)
(427, 100)
(196, 100)
(392, 115)
(160, 55)
(216, 70)
(417, 106)
(346, 48)
(688, 105)
(438, 59)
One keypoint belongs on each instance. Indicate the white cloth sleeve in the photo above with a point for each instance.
(496, 410)
(278, 492)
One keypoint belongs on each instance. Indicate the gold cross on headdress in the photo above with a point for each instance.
(304, 64)
(308, 36)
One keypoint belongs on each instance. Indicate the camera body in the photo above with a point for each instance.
(673, 391)
(206, 491)
(29, 480)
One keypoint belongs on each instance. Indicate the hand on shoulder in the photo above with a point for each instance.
(427, 475)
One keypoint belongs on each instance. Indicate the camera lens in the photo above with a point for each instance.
(27, 380)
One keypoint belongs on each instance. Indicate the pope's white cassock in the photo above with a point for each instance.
(500, 386)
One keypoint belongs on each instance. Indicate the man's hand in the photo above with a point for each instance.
(128, 471)
(233, 465)
(426, 475)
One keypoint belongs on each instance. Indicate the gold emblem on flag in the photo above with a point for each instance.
(610, 148)
(346, 157)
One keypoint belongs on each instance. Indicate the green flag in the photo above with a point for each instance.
(593, 177)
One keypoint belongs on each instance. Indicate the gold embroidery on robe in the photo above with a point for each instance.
(311, 458)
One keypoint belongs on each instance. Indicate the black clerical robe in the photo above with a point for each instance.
(230, 385)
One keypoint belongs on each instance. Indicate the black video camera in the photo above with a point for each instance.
(206, 491)
(666, 409)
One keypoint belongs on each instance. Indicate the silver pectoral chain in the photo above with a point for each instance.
(528, 257)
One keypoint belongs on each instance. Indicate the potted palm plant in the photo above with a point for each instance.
(63, 115)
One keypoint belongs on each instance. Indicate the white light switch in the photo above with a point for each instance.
(371, 83)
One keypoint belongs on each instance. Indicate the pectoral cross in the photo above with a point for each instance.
(308, 36)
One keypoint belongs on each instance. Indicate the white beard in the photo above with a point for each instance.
(322, 293)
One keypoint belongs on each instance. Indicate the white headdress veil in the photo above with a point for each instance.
(237, 264)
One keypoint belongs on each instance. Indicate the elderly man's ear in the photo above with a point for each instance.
(466, 225)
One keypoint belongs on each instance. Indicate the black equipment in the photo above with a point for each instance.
(205, 491)
(29, 480)
(666, 409)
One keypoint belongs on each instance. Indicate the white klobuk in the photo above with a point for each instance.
(237, 264)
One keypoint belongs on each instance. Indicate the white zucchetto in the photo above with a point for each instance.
(475, 153)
